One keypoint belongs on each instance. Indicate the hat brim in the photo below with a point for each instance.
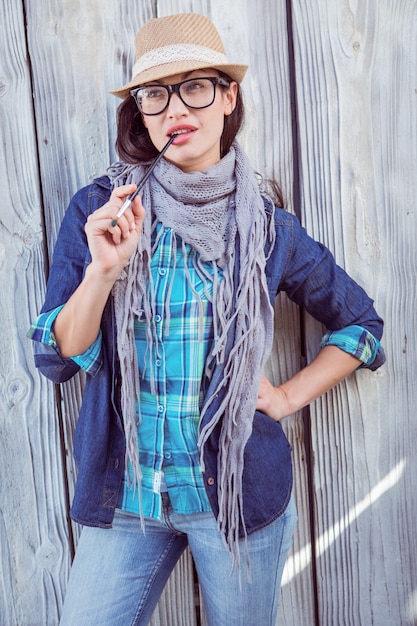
(235, 71)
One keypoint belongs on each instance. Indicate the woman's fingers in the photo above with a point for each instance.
(105, 221)
(121, 226)
(138, 211)
(111, 242)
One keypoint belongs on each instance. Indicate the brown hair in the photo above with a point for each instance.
(135, 146)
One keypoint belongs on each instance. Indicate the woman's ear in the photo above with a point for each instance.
(230, 97)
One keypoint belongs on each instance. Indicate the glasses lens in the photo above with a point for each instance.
(152, 100)
(197, 93)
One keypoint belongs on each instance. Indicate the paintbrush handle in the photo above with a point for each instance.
(128, 202)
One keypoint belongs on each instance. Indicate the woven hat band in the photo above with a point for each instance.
(175, 53)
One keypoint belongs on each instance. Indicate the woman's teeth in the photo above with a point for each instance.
(181, 132)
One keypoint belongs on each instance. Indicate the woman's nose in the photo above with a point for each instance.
(176, 106)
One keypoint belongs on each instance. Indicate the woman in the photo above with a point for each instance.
(168, 309)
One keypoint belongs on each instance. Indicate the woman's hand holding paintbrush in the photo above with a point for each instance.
(113, 240)
(111, 247)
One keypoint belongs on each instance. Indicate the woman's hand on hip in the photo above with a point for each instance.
(327, 369)
(272, 400)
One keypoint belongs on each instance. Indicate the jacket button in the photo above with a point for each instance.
(210, 481)
(116, 464)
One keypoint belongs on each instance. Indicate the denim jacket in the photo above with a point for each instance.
(298, 265)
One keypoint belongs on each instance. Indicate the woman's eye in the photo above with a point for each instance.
(154, 93)
(195, 85)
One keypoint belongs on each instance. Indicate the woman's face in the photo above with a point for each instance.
(198, 145)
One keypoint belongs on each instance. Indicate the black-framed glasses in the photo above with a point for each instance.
(195, 93)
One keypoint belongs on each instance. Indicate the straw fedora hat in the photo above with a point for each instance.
(176, 44)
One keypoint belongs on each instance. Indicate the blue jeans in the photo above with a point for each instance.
(118, 574)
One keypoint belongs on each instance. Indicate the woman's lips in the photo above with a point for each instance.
(182, 135)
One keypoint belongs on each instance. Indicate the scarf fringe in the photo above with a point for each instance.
(208, 210)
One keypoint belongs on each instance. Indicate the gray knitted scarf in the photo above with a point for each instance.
(213, 211)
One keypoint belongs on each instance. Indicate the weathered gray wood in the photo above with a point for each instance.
(356, 71)
(33, 533)
(79, 52)
(356, 79)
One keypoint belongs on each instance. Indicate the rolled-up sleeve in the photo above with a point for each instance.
(42, 331)
(70, 259)
(358, 342)
(316, 282)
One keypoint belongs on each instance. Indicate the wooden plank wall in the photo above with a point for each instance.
(356, 95)
(331, 113)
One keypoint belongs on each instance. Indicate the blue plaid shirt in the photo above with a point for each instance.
(169, 430)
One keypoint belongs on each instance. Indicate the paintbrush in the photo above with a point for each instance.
(127, 203)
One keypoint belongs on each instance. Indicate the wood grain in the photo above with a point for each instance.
(355, 69)
(356, 77)
(33, 532)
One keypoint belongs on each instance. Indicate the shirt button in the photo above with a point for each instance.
(158, 318)
(167, 455)
(162, 271)
(210, 481)
(158, 362)
(160, 408)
